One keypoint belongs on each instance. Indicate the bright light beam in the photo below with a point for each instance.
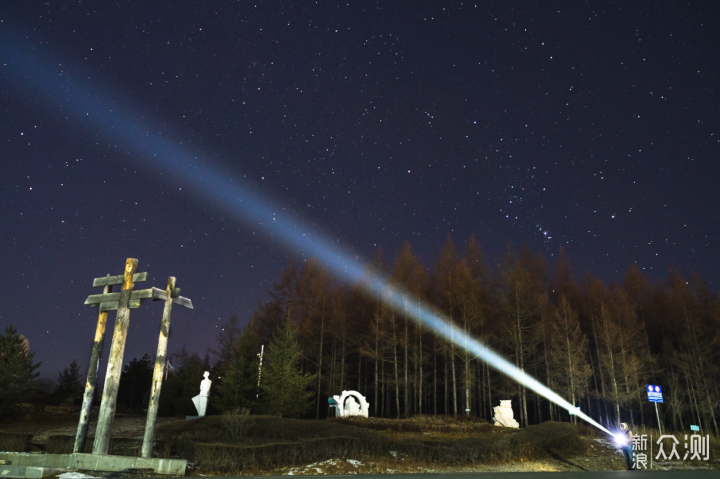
(91, 108)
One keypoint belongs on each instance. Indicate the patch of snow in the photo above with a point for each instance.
(316, 467)
(394, 453)
(75, 475)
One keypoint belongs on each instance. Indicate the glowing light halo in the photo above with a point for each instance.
(239, 199)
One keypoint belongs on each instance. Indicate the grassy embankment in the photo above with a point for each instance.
(264, 444)
(236, 444)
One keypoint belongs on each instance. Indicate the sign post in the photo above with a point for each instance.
(655, 396)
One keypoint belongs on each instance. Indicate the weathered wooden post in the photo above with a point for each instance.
(122, 301)
(81, 435)
(170, 295)
(107, 301)
(115, 362)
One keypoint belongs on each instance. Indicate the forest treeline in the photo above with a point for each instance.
(597, 345)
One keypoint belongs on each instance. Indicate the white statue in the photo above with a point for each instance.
(351, 403)
(504, 415)
(201, 399)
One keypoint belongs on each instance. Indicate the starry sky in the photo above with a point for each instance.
(203, 138)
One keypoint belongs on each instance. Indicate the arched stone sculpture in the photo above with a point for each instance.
(351, 403)
(201, 399)
(504, 415)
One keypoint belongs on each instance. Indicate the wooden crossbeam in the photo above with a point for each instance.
(96, 299)
(110, 301)
(114, 305)
(113, 280)
(160, 295)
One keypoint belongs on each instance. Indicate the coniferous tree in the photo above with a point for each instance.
(570, 369)
(445, 293)
(310, 305)
(70, 383)
(664, 332)
(135, 381)
(469, 316)
(521, 305)
(269, 315)
(239, 386)
(227, 341)
(409, 277)
(189, 372)
(17, 371)
(286, 391)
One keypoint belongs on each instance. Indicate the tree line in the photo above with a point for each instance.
(597, 345)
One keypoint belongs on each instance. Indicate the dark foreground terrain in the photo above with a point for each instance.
(263, 445)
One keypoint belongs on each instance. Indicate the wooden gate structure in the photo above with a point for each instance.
(122, 302)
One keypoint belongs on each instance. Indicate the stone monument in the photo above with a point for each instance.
(504, 415)
(201, 399)
(351, 403)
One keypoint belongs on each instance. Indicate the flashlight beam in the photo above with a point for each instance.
(93, 109)
(443, 327)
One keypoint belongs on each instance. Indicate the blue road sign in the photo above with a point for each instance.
(694, 428)
(654, 393)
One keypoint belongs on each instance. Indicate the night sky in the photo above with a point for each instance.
(204, 138)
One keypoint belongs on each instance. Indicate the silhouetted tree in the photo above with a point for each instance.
(239, 385)
(70, 383)
(17, 371)
(135, 382)
(286, 390)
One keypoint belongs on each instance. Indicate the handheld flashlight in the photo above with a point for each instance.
(621, 439)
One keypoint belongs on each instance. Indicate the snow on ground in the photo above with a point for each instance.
(75, 475)
(319, 467)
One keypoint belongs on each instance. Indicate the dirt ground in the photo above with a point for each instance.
(592, 454)
(42, 425)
